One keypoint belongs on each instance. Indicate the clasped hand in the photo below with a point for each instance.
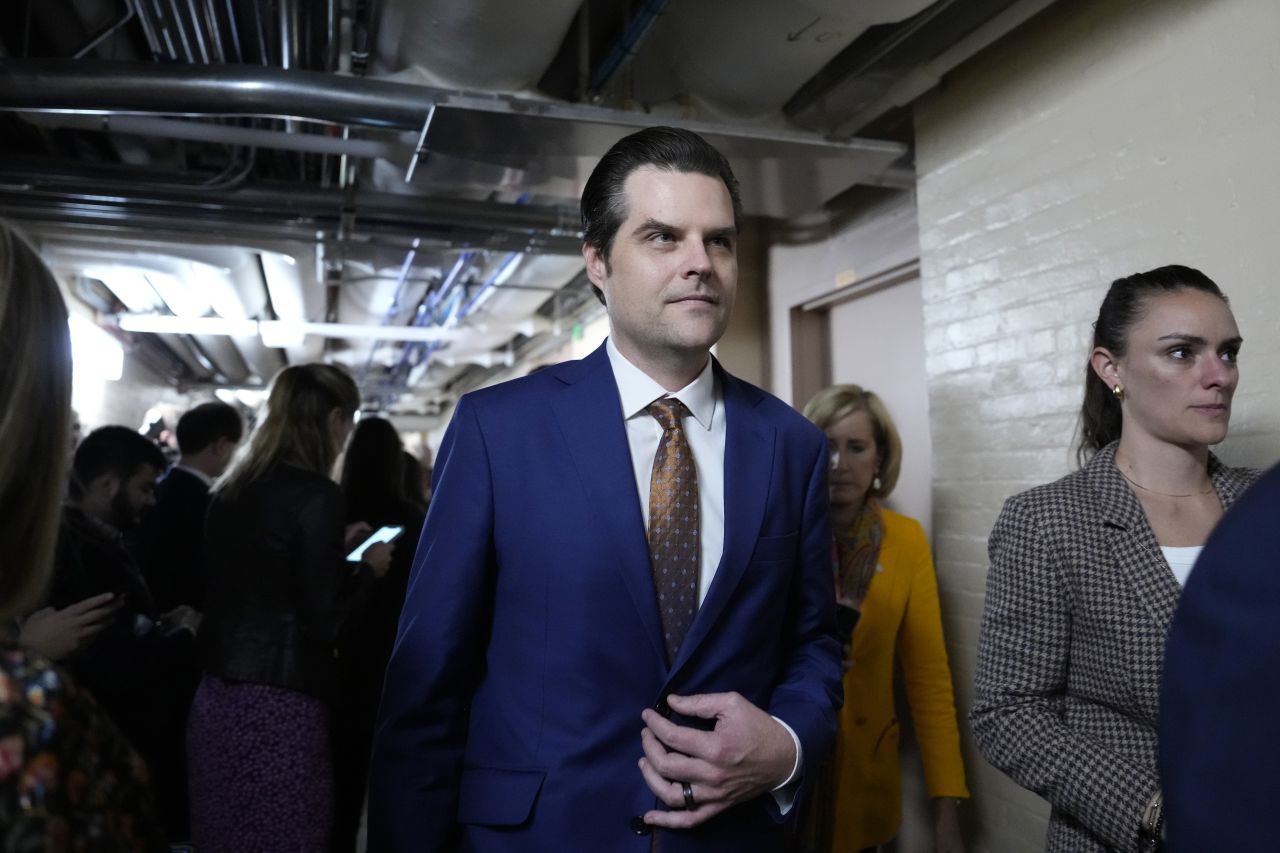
(746, 754)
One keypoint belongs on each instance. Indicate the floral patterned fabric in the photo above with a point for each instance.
(69, 781)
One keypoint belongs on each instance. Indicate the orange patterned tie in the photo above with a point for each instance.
(673, 525)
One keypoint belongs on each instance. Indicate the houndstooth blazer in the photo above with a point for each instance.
(1079, 600)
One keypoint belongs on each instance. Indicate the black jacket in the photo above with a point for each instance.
(141, 672)
(173, 552)
(279, 587)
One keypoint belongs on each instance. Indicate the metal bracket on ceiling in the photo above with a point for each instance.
(421, 149)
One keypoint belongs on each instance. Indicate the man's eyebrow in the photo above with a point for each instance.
(653, 225)
(657, 225)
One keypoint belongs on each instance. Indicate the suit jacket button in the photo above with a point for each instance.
(639, 827)
(663, 708)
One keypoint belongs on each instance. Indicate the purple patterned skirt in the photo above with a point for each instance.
(259, 767)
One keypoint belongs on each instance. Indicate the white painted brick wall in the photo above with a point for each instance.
(1100, 139)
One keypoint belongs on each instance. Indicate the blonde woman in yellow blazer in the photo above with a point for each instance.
(885, 574)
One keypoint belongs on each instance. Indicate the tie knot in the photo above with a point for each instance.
(668, 411)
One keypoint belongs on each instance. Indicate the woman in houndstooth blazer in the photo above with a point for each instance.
(1085, 572)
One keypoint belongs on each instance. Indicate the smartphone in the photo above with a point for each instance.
(382, 534)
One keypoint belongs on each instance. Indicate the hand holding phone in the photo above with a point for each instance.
(376, 550)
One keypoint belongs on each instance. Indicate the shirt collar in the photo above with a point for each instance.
(198, 474)
(637, 389)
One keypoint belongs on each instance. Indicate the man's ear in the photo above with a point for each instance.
(597, 264)
(103, 488)
(1106, 366)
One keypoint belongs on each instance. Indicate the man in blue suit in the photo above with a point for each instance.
(1219, 742)
(619, 633)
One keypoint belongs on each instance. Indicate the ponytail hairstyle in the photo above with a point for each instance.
(35, 420)
(295, 428)
(1125, 302)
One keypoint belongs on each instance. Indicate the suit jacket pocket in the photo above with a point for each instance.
(774, 549)
(497, 797)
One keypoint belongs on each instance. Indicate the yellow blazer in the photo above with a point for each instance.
(900, 612)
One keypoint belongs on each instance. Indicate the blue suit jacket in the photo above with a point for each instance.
(530, 643)
(1219, 742)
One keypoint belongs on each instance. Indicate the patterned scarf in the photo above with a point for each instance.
(858, 551)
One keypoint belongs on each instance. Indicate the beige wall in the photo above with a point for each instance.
(1101, 139)
(882, 237)
(744, 349)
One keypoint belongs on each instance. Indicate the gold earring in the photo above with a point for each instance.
(1118, 391)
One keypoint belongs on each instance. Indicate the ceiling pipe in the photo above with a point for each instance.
(119, 196)
(60, 85)
(224, 133)
(57, 85)
(168, 324)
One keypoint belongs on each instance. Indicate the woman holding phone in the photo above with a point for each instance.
(280, 591)
(373, 481)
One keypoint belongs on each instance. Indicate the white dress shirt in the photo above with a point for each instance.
(705, 432)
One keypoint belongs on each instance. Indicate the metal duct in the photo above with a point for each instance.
(494, 45)
(764, 50)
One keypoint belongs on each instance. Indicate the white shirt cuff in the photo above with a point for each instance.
(785, 794)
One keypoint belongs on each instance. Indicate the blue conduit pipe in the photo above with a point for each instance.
(625, 47)
(394, 309)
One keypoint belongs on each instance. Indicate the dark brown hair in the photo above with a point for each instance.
(1125, 302)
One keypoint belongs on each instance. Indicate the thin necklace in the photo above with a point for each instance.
(1163, 494)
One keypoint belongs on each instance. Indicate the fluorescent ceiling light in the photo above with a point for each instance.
(95, 355)
(161, 324)
(183, 297)
(280, 334)
(128, 284)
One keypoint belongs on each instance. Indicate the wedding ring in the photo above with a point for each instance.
(688, 796)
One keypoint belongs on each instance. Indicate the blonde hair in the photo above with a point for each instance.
(836, 402)
(295, 428)
(35, 420)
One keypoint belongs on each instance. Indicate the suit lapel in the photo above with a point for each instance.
(1131, 540)
(589, 412)
(748, 469)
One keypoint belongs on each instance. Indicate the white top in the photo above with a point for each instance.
(1181, 560)
(705, 432)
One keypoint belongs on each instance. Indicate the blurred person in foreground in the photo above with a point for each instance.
(885, 580)
(373, 482)
(1086, 572)
(67, 775)
(1219, 742)
(280, 591)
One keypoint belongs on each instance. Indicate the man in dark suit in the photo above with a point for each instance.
(1219, 743)
(173, 542)
(619, 632)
